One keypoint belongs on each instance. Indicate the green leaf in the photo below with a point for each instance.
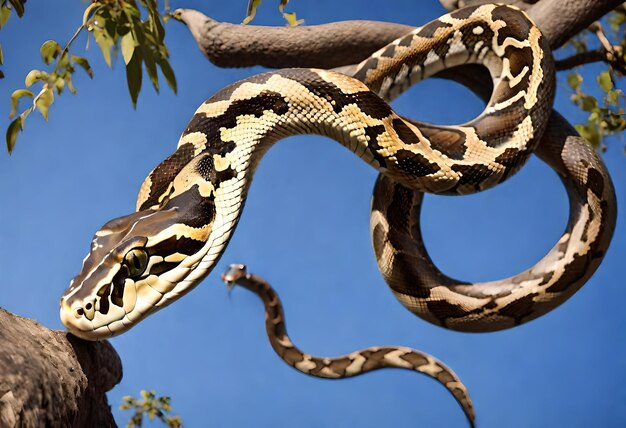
(103, 40)
(148, 59)
(49, 51)
(574, 80)
(12, 130)
(128, 46)
(1, 56)
(84, 64)
(43, 101)
(88, 11)
(15, 98)
(5, 13)
(604, 81)
(18, 5)
(251, 11)
(588, 103)
(291, 19)
(613, 96)
(34, 76)
(133, 76)
(167, 71)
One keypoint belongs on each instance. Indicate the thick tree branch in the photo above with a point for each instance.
(349, 42)
(560, 20)
(51, 378)
(325, 46)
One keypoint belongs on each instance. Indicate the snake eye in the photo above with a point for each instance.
(136, 261)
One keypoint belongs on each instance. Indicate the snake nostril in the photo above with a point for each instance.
(80, 312)
(88, 306)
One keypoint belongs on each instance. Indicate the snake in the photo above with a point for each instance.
(349, 365)
(189, 205)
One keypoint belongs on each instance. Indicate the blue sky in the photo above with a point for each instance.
(305, 229)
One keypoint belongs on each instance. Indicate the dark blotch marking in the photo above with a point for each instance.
(448, 141)
(374, 359)
(595, 181)
(389, 51)
(117, 295)
(171, 245)
(414, 359)
(442, 310)
(211, 126)
(518, 59)
(464, 13)
(470, 39)
(370, 103)
(517, 27)
(103, 293)
(227, 92)
(404, 132)
(206, 169)
(406, 268)
(340, 365)
(159, 268)
(574, 274)
(193, 209)
(372, 132)
(472, 173)
(520, 308)
(165, 172)
(415, 164)
(499, 126)
(406, 40)
(370, 64)
(429, 29)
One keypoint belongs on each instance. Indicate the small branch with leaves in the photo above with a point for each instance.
(606, 115)
(153, 407)
(116, 25)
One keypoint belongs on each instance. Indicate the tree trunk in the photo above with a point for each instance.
(51, 378)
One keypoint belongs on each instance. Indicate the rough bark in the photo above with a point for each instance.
(51, 378)
(349, 42)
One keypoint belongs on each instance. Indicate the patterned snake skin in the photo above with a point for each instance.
(353, 364)
(189, 205)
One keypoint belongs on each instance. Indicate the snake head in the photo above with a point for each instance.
(134, 266)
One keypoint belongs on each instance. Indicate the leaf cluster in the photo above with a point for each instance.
(6, 7)
(152, 406)
(605, 115)
(116, 25)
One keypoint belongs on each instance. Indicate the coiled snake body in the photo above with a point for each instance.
(190, 204)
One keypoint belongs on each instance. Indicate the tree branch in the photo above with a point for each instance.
(560, 20)
(349, 42)
(581, 58)
(325, 46)
(51, 378)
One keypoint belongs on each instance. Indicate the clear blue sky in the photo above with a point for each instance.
(305, 229)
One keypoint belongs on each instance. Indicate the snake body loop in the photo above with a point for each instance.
(189, 205)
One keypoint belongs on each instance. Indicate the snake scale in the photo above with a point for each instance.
(189, 205)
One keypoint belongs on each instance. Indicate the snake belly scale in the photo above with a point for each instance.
(189, 205)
